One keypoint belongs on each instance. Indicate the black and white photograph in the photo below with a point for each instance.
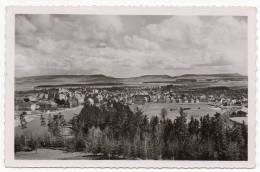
(158, 87)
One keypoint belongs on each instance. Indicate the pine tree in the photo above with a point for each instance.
(244, 142)
(220, 138)
(181, 132)
(163, 113)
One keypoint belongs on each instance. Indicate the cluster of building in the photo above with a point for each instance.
(51, 99)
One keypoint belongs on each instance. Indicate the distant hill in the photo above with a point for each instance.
(213, 75)
(223, 77)
(25, 83)
(147, 78)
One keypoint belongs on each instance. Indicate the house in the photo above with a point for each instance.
(140, 99)
(80, 97)
(46, 96)
(245, 109)
(89, 101)
(34, 107)
(33, 98)
(73, 101)
(203, 98)
(233, 101)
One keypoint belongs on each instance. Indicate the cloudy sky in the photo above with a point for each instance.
(126, 46)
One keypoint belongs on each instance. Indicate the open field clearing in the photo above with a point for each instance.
(239, 119)
(43, 154)
(34, 127)
(196, 109)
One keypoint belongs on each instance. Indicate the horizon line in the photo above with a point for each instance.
(130, 76)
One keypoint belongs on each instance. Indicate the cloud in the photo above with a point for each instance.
(197, 39)
(219, 61)
(140, 43)
(41, 22)
(23, 25)
(125, 46)
(178, 31)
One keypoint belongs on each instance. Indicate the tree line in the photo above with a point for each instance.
(116, 132)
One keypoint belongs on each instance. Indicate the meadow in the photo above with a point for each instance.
(173, 109)
(34, 127)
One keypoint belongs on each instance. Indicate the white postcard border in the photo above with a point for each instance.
(9, 84)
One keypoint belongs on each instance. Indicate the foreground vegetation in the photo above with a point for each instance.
(116, 132)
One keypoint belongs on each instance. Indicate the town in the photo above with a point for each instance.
(52, 98)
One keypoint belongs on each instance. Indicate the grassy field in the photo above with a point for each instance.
(34, 127)
(239, 119)
(196, 109)
(45, 154)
